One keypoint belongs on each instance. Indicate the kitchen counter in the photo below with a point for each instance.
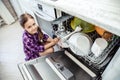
(103, 13)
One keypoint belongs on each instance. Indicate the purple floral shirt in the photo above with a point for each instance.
(32, 46)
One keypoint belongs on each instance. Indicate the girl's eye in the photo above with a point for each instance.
(29, 27)
(33, 24)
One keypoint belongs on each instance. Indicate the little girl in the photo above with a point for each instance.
(35, 42)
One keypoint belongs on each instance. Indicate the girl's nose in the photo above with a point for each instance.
(34, 26)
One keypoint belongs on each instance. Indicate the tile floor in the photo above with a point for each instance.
(11, 51)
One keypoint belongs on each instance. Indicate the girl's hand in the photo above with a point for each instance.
(52, 43)
(56, 40)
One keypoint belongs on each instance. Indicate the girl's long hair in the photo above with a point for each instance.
(40, 34)
(24, 18)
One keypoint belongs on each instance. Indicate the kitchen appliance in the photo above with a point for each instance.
(44, 15)
(87, 67)
(90, 66)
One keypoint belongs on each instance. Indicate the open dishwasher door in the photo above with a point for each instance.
(37, 69)
(57, 66)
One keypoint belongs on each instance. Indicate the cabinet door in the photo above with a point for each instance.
(17, 7)
(112, 71)
(5, 14)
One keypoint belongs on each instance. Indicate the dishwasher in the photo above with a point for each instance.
(69, 63)
(89, 67)
(66, 64)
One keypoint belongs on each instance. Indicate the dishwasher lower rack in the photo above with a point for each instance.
(101, 61)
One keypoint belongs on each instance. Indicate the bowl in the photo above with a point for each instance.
(86, 27)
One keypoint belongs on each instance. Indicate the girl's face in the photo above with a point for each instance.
(30, 26)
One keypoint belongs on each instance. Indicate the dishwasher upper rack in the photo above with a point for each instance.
(103, 59)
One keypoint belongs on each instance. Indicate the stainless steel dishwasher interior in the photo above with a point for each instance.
(97, 64)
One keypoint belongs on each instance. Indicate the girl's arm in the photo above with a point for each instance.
(51, 43)
(50, 39)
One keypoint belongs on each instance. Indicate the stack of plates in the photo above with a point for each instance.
(80, 44)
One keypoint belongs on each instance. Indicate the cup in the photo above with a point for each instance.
(98, 46)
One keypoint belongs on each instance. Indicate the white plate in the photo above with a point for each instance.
(80, 44)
